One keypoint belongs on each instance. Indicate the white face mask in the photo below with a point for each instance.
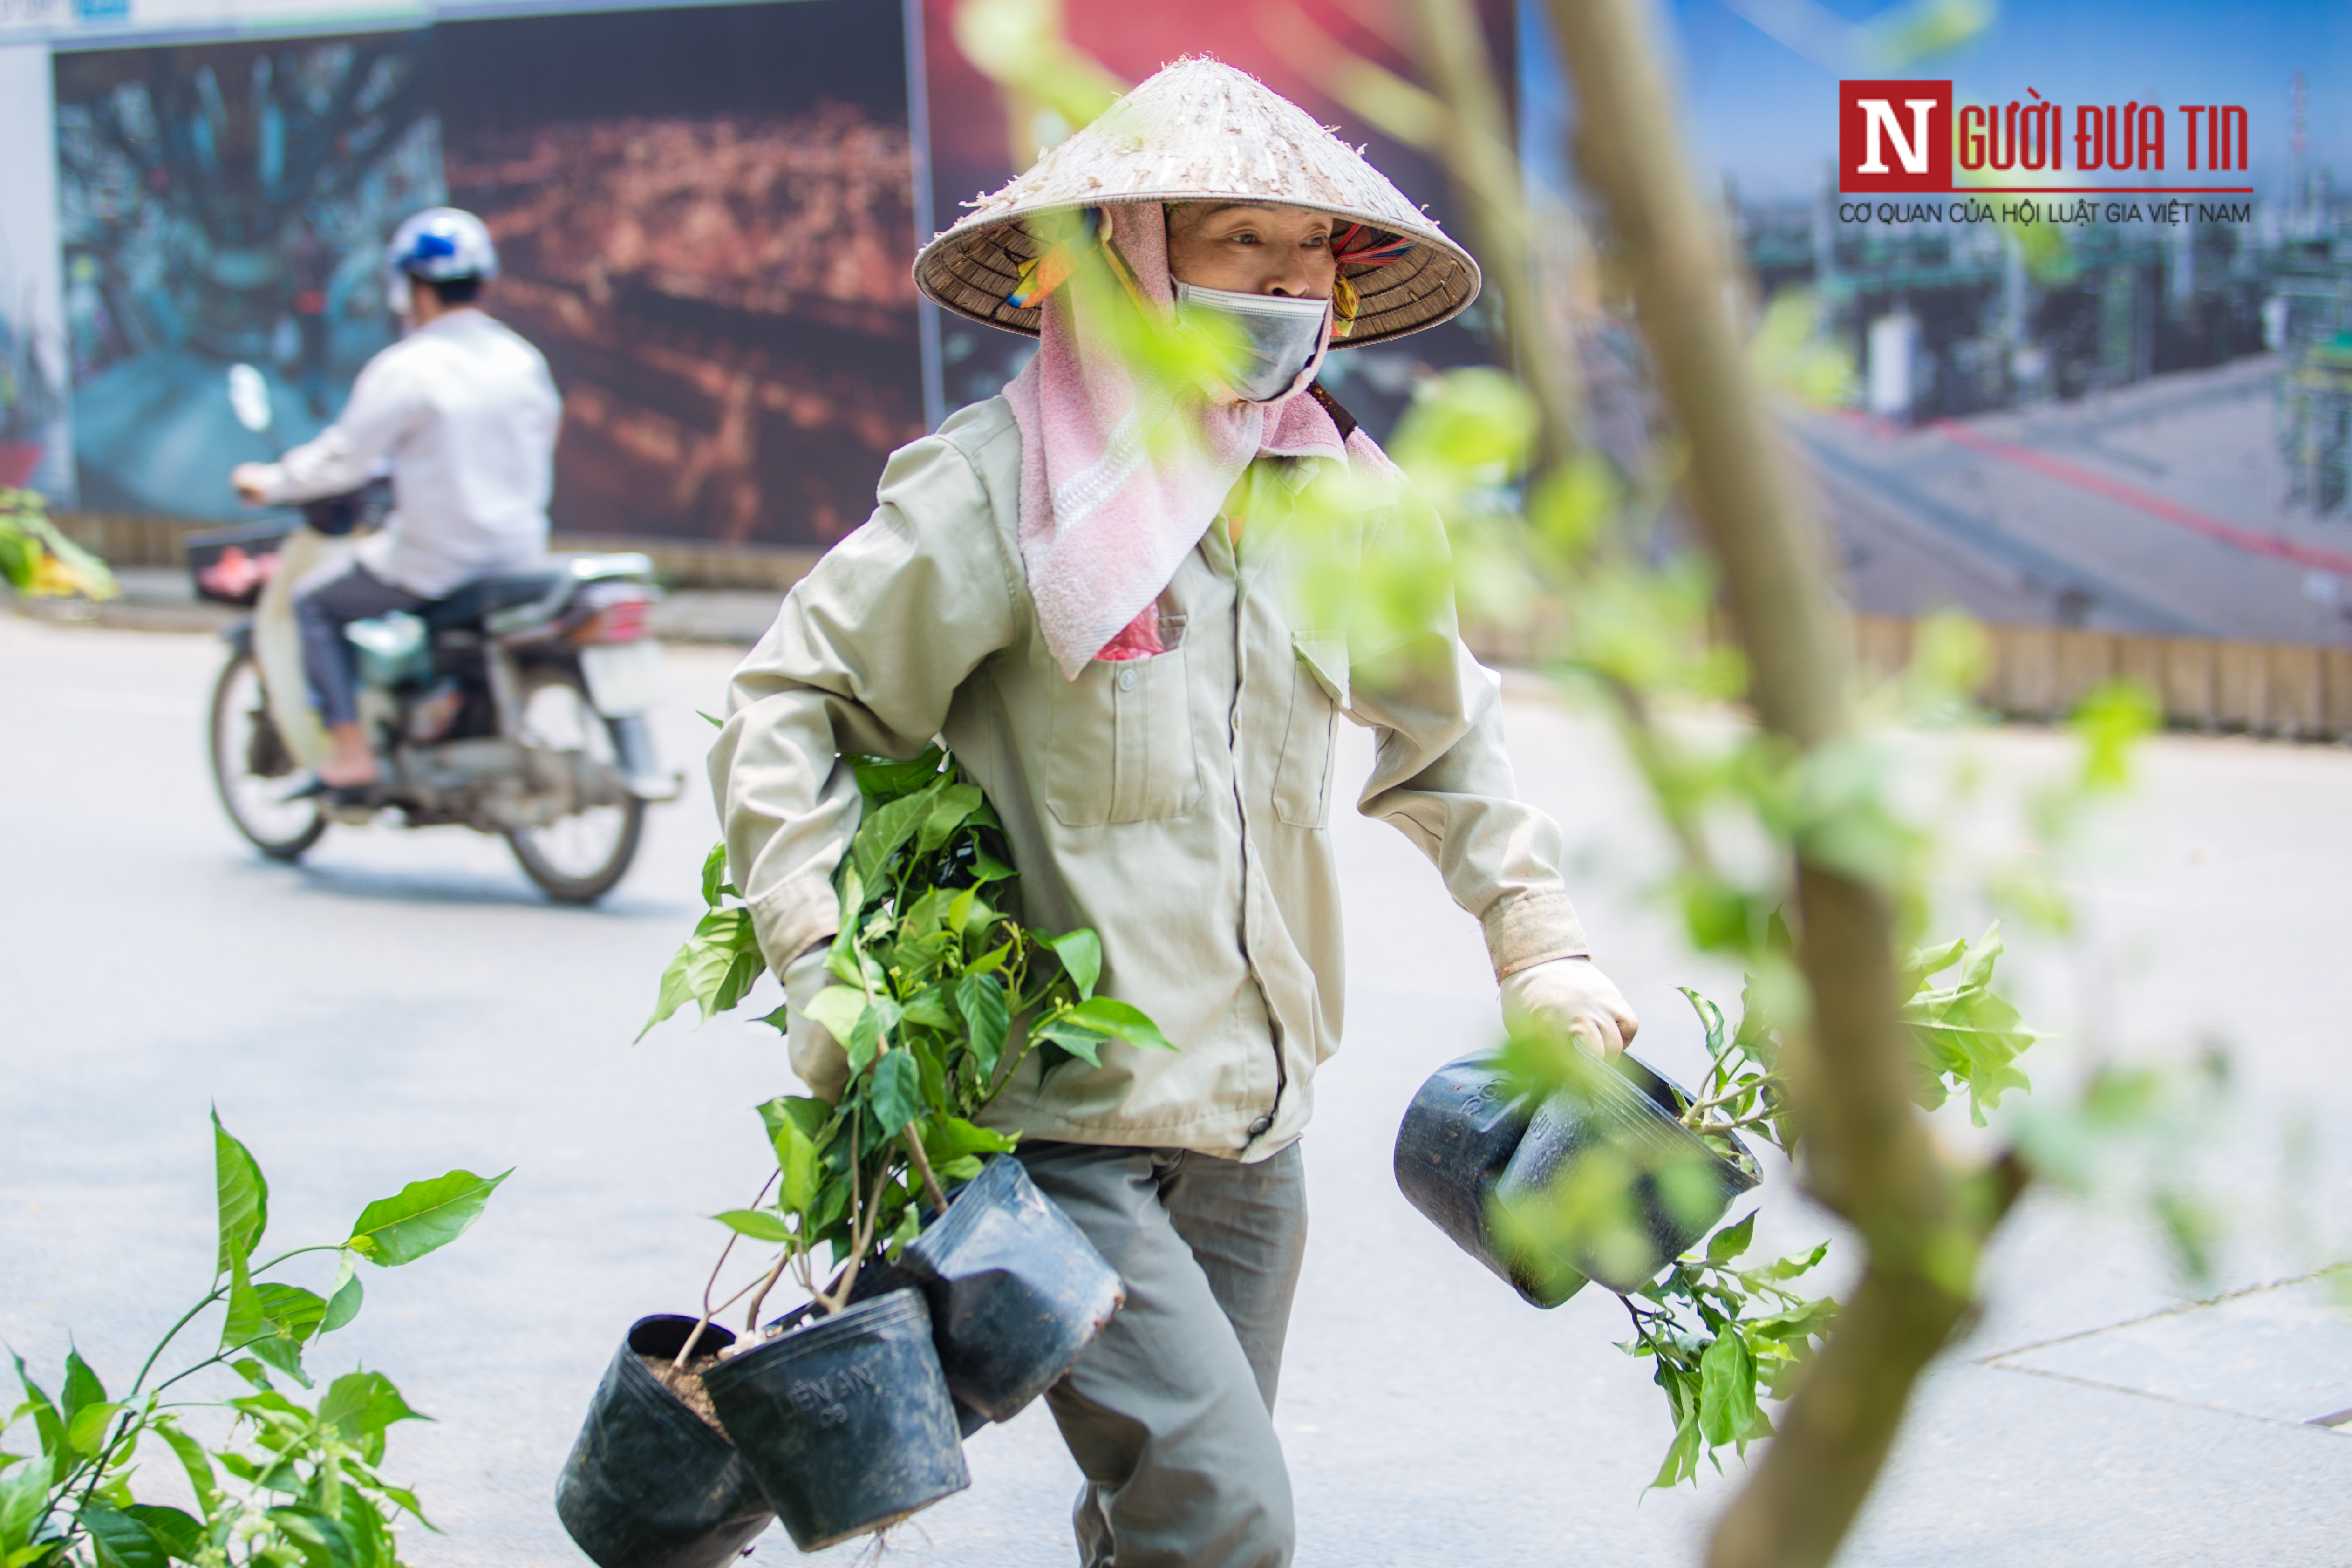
(1278, 335)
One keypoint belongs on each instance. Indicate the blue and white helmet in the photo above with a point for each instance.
(436, 245)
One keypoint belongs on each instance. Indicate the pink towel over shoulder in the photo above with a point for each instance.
(1120, 477)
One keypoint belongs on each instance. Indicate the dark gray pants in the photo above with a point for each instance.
(1169, 1414)
(323, 606)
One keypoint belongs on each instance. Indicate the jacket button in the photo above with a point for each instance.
(1127, 680)
(1258, 1128)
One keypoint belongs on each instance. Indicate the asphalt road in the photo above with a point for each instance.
(401, 1004)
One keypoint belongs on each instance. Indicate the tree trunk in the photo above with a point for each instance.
(1866, 1155)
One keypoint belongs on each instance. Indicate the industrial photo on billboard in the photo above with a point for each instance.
(222, 204)
(2134, 419)
(706, 221)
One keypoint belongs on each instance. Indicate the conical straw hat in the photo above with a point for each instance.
(1198, 131)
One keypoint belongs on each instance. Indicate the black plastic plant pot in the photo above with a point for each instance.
(1015, 1288)
(880, 1277)
(1470, 1140)
(846, 1420)
(650, 1484)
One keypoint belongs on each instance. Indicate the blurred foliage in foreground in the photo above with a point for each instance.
(39, 562)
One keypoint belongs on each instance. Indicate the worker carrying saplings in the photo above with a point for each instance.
(1083, 586)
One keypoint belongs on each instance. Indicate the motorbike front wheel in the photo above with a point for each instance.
(253, 769)
(578, 858)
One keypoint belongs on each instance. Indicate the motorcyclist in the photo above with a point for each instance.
(463, 414)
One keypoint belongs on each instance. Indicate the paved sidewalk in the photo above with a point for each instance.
(403, 1003)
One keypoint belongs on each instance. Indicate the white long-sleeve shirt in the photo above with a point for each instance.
(464, 413)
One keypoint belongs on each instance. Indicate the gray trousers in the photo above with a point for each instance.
(323, 606)
(1169, 1414)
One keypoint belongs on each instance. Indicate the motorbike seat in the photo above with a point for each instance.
(485, 596)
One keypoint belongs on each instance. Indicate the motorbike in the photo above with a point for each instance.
(517, 706)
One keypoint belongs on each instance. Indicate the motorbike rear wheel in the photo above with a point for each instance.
(253, 771)
(578, 858)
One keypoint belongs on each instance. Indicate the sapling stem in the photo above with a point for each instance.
(760, 1298)
(923, 1166)
(711, 1284)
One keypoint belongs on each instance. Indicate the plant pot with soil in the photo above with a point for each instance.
(653, 1481)
(842, 1409)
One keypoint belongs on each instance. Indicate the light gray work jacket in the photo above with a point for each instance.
(1178, 804)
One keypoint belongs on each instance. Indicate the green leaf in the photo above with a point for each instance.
(361, 1404)
(715, 968)
(950, 1138)
(321, 1541)
(244, 1197)
(1681, 1455)
(948, 812)
(1080, 1041)
(928, 1010)
(987, 868)
(47, 1421)
(364, 1524)
(757, 1223)
(1731, 1240)
(246, 1320)
(421, 1217)
(296, 1310)
(1080, 951)
(343, 1300)
(283, 1352)
(1121, 1021)
(836, 1010)
(813, 1117)
(181, 1536)
(714, 875)
(1710, 1018)
(987, 1022)
(24, 1497)
(82, 1387)
(796, 1165)
(677, 989)
(865, 1042)
(86, 1433)
(122, 1541)
(897, 1097)
(885, 829)
(193, 1460)
(1727, 1403)
(880, 780)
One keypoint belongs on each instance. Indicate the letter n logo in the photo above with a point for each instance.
(1894, 136)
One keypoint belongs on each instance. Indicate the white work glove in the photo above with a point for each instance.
(816, 1056)
(1568, 996)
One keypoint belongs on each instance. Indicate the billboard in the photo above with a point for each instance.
(706, 224)
(2094, 281)
(34, 447)
(223, 203)
(2086, 262)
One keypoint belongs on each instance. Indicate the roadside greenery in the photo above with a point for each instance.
(38, 561)
(941, 993)
(290, 1485)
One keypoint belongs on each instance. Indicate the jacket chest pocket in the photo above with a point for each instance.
(1119, 748)
(1319, 689)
